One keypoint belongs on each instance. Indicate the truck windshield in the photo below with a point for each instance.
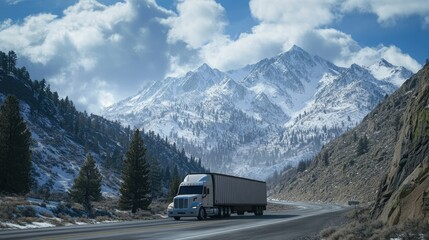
(190, 190)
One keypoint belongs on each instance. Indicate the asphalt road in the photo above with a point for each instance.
(305, 220)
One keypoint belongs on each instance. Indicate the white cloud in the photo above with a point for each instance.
(122, 45)
(392, 54)
(388, 10)
(265, 40)
(197, 23)
(99, 54)
(13, 2)
(341, 49)
(283, 23)
(302, 13)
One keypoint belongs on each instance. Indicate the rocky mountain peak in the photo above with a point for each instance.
(385, 71)
(205, 68)
(294, 55)
(383, 62)
(297, 49)
(265, 107)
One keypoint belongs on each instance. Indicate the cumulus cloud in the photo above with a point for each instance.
(388, 11)
(282, 23)
(302, 13)
(96, 54)
(197, 23)
(392, 54)
(341, 49)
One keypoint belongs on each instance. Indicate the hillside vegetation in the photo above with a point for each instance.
(62, 136)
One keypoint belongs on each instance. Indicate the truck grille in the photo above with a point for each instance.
(181, 203)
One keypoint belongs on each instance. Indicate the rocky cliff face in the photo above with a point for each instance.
(404, 190)
(384, 160)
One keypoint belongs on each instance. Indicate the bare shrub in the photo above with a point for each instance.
(414, 229)
(327, 232)
(47, 214)
(142, 214)
(82, 219)
(27, 211)
(158, 207)
(27, 219)
(372, 230)
(102, 219)
(7, 211)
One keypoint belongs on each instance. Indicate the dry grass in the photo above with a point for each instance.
(16, 209)
(362, 227)
(8, 207)
(27, 219)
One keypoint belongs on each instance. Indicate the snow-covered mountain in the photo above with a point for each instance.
(383, 70)
(62, 137)
(256, 120)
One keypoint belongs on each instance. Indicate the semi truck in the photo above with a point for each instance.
(205, 195)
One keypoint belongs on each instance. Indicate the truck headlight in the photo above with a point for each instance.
(170, 206)
(196, 205)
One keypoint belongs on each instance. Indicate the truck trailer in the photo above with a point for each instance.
(205, 195)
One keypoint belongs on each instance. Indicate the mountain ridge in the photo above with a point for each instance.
(240, 125)
(63, 136)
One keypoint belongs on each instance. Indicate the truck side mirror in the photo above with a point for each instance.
(205, 191)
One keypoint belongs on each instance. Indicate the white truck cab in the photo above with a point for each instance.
(192, 197)
(217, 195)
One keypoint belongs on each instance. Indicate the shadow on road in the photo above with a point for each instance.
(235, 217)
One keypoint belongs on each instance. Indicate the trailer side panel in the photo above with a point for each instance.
(235, 191)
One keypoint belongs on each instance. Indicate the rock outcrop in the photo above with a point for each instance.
(390, 170)
(404, 191)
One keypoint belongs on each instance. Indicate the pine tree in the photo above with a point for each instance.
(87, 186)
(15, 155)
(11, 65)
(362, 146)
(3, 61)
(174, 184)
(155, 178)
(166, 176)
(135, 188)
(302, 165)
(115, 161)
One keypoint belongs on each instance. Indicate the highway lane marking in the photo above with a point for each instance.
(232, 230)
(272, 222)
(133, 230)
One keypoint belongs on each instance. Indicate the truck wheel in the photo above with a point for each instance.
(259, 211)
(202, 214)
(221, 212)
(256, 211)
(177, 218)
(228, 212)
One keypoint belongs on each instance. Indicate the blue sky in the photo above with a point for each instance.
(117, 47)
